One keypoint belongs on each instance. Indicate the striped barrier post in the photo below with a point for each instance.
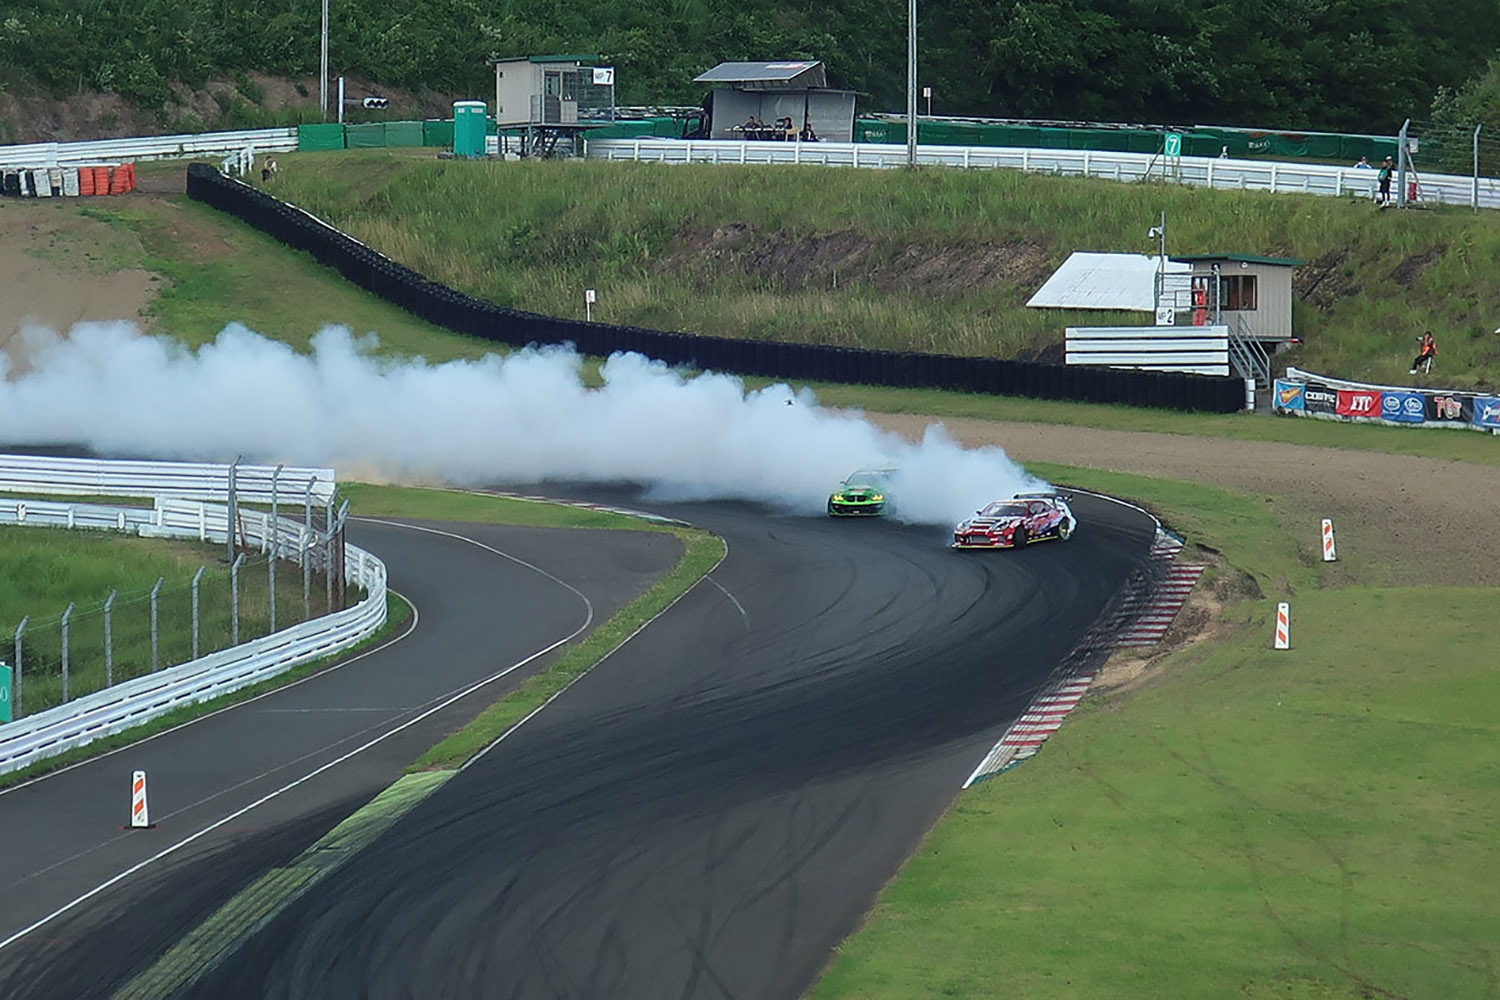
(1283, 626)
(140, 819)
(1329, 555)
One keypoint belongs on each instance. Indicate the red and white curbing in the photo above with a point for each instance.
(1027, 734)
(1149, 619)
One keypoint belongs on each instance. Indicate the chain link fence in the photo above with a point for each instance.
(89, 647)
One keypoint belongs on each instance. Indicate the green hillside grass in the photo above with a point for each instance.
(942, 260)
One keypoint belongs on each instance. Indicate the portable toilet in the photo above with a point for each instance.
(468, 128)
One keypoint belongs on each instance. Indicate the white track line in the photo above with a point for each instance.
(231, 817)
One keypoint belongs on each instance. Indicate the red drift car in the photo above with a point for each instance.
(1010, 524)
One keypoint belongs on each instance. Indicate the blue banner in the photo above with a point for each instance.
(1487, 412)
(1404, 407)
(1288, 396)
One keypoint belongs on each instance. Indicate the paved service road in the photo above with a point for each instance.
(479, 613)
(711, 810)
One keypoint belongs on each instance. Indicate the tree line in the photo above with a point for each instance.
(1337, 65)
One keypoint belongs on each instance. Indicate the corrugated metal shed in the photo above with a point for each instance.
(799, 74)
(1121, 281)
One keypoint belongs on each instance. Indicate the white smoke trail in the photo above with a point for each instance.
(522, 417)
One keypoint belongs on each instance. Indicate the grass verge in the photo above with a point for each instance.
(701, 553)
(1243, 822)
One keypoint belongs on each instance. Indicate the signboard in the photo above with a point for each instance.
(1450, 409)
(1358, 403)
(1172, 144)
(1288, 396)
(1318, 398)
(1487, 412)
(588, 295)
(604, 76)
(4, 693)
(1403, 407)
(1166, 316)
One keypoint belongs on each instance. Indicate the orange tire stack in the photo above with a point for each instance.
(118, 177)
(85, 181)
(130, 177)
(101, 180)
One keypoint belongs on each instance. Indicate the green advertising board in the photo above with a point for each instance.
(4, 693)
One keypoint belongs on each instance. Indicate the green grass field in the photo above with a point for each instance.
(941, 261)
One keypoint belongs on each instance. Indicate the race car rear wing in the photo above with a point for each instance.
(1054, 495)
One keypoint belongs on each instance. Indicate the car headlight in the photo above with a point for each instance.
(877, 496)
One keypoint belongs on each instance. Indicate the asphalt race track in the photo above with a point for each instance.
(480, 613)
(710, 811)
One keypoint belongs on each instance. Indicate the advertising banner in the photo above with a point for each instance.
(1404, 407)
(1450, 409)
(1487, 412)
(1318, 398)
(1358, 403)
(1288, 395)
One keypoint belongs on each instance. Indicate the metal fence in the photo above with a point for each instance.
(1223, 174)
(117, 706)
(279, 577)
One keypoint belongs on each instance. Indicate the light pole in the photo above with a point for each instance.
(911, 83)
(323, 65)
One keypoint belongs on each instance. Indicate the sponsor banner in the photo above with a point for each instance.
(1404, 407)
(1487, 412)
(1288, 395)
(1318, 398)
(1446, 408)
(1357, 403)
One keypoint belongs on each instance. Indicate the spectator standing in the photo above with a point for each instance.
(1363, 164)
(1386, 168)
(1426, 354)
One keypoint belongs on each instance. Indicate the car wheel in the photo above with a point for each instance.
(1018, 540)
(1065, 530)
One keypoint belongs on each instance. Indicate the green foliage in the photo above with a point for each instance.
(1455, 114)
(1337, 64)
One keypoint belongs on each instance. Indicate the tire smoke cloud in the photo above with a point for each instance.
(517, 418)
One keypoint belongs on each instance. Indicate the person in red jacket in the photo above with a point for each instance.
(1426, 355)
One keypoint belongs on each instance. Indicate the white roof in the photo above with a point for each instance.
(1086, 280)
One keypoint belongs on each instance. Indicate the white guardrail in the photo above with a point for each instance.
(150, 147)
(133, 702)
(1245, 175)
(54, 476)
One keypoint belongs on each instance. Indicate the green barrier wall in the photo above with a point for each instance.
(320, 137)
(403, 133)
(437, 133)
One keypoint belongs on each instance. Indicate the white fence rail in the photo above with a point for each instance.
(1247, 175)
(1200, 349)
(52, 476)
(115, 709)
(154, 147)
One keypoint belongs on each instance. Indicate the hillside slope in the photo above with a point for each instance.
(940, 261)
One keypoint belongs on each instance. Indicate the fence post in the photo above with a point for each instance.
(234, 600)
(229, 527)
(109, 640)
(16, 693)
(196, 577)
(1476, 168)
(274, 529)
(328, 565)
(155, 657)
(65, 616)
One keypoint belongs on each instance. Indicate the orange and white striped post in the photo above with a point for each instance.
(140, 819)
(1283, 626)
(1329, 555)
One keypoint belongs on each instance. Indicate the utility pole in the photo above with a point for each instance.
(911, 83)
(323, 66)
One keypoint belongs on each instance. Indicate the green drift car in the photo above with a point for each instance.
(864, 494)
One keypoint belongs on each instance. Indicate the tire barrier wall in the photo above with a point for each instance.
(1304, 394)
(445, 307)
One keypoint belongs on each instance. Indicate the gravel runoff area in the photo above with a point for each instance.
(1421, 521)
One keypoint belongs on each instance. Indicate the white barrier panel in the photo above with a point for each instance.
(133, 702)
(194, 481)
(1203, 350)
(140, 816)
(154, 147)
(1238, 175)
(1283, 626)
(1329, 553)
